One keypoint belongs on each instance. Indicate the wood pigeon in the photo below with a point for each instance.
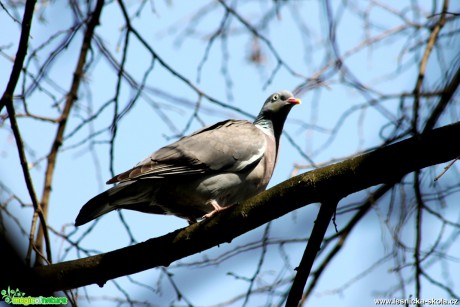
(203, 173)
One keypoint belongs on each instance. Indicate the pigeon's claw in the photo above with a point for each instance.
(217, 208)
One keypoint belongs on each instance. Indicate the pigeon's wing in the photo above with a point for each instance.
(230, 146)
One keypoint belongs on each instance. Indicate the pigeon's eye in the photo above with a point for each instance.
(274, 98)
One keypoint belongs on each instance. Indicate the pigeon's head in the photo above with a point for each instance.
(278, 103)
(275, 109)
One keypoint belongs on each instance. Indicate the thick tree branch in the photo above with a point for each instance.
(325, 215)
(384, 165)
(343, 235)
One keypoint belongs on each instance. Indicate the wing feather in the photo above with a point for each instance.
(230, 146)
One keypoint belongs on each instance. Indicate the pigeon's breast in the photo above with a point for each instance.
(191, 197)
(263, 172)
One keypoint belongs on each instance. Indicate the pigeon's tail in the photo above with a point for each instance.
(94, 208)
(133, 195)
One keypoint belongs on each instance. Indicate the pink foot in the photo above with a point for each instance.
(217, 208)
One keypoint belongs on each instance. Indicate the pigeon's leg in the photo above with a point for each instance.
(217, 208)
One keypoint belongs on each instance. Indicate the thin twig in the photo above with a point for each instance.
(418, 236)
(7, 97)
(424, 62)
(446, 168)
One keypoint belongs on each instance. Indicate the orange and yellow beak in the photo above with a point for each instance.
(293, 100)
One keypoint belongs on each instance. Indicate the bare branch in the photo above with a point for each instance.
(424, 62)
(383, 165)
(71, 98)
(325, 215)
(7, 97)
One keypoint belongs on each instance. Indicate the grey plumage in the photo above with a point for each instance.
(200, 174)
